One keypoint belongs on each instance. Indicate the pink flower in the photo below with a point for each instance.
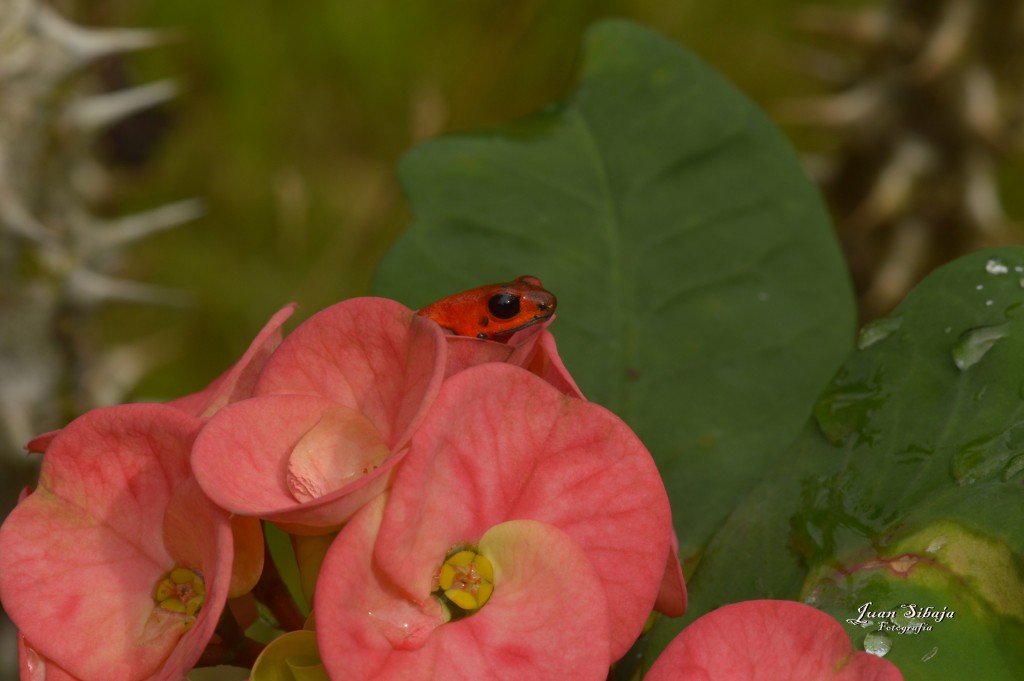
(767, 641)
(672, 598)
(533, 348)
(236, 384)
(332, 412)
(117, 566)
(501, 447)
(547, 618)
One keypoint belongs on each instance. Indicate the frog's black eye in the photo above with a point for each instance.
(503, 305)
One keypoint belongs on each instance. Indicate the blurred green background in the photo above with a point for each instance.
(294, 115)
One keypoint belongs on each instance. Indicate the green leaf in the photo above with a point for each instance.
(908, 488)
(282, 553)
(291, 657)
(218, 673)
(701, 293)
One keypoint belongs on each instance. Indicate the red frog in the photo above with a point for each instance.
(495, 311)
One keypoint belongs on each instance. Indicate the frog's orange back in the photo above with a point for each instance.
(494, 311)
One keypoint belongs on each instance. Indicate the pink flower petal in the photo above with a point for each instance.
(34, 667)
(198, 533)
(237, 382)
(501, 444)
(539, 355)
(302, 461)
(545, 620)
(40, 443)
(110, 518)
(533, 348)
(339, 449)
(369, 354)
(672, 595)
(247, 566)
(465, 352)
(767, 641)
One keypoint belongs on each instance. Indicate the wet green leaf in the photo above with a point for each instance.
(701, 293)
(907, 487)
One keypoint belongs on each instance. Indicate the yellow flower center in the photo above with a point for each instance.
(465, 580)
(182, 591)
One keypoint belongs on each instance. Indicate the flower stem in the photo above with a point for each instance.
(273, 593)
(230, 645)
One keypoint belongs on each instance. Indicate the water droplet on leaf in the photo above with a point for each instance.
(995, 267)
(913, 454)
(844, 409)
(930, 654)
(877, 330)
(974, 343)
(877, 643)
(1014, 467)
(981, 459)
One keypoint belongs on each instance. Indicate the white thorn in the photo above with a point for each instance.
(18, 59)
(981, 103)
(138, 226)
(947, 41)
(16, 15)
(97, 111)
(894, 184)
(15, 217)
(981, 195)
(29, 360)
(86, 44)
(88, 288)
(846, 108)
